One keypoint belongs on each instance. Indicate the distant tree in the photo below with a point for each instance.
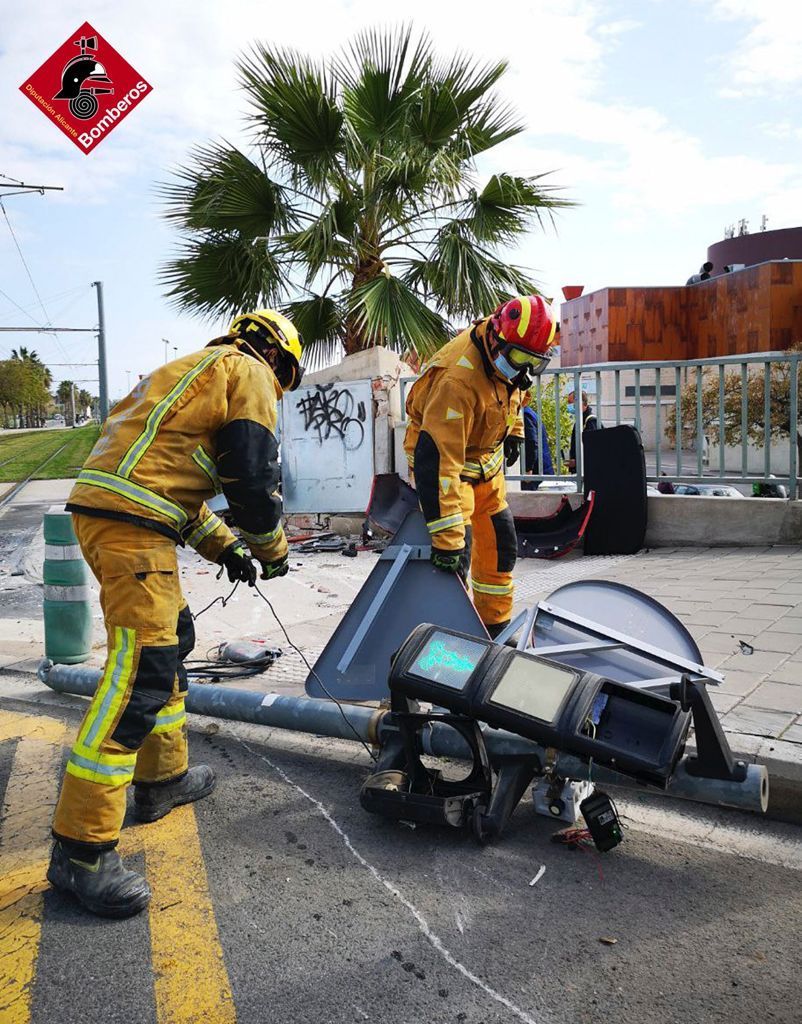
(359, 213)
(779, 406)
(33, 395)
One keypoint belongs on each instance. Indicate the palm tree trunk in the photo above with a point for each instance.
(355, 340)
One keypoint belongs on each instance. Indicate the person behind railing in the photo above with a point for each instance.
(589, 422)
(535, 442)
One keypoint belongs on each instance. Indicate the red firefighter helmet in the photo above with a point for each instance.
(527, 325)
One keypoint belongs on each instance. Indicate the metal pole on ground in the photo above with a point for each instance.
(355, 722)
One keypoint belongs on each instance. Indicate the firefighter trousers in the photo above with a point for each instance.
(494, 547)
(135, 727)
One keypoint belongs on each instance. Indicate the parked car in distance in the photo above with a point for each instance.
(708, 490)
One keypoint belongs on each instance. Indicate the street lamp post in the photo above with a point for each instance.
(166, 346)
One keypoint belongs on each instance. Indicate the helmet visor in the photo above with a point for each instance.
(521, 358)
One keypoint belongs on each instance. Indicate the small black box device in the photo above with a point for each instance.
(601, 818)
(625, 728)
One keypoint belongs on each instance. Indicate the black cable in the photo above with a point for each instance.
(297, 650)
(312, 672)
(211, 604)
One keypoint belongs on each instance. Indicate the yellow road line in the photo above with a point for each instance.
(27, 814)
(191, 980)
(34, 727)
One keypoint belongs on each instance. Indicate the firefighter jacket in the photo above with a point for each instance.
(200, 425)
(459, 413)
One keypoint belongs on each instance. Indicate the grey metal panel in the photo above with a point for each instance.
(327, 447)
(621, 610)
(394, 602)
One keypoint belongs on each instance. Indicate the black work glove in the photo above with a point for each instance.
(239, 565)
(272, 570)
(512, 449)
(447, 561)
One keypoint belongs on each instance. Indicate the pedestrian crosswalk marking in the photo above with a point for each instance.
(191, 982)
(190, 977)
(30, 798)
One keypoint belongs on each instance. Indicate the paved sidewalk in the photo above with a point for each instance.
(743, 606)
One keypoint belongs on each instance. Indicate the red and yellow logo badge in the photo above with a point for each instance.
(86, 88)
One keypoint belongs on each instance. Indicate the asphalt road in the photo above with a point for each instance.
(279, 899)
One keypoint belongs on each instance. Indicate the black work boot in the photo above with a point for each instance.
(496, 628)
(99, 881)
(152, 800)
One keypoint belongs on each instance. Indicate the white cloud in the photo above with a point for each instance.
(647, 182)
(768, 59)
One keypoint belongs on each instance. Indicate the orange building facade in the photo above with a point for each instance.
(758, 309)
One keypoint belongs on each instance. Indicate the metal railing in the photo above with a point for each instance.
(652, 402)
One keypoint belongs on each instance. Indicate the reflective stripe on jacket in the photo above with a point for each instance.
(459, 413)
(199, 425)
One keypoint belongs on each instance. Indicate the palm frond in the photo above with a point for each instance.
(321, 322)
(466, 279)
(326, 240)
(296, 111)
(220, 275)
(447, 97)
(380, 72)
(507, 206)
(387, 312)
(226, 191)
(490, 123)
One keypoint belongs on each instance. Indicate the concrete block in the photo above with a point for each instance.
(707, 616)
(731, 604)
(722, 702)
(793, 734)
(789, 622)
(790, 672)
(767, 612)
(680, 520)
(718, 641)
(756, 721)
(742, 627)
(346, 526)
(783, 760)
(787, 643)
(739, 683)
(777, 697)
(759, 662)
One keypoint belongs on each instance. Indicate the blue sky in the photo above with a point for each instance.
(665, 120)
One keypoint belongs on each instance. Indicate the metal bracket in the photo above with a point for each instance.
(638, 646)
(401, 556)
(417, 552)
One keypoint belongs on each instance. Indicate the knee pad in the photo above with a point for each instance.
(506, 539)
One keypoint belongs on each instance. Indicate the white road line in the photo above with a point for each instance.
(421, 921)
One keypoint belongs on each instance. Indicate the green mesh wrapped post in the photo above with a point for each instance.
(67, 607)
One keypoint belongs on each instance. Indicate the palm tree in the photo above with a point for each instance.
(359, 211)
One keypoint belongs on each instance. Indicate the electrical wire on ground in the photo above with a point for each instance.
(239, 668)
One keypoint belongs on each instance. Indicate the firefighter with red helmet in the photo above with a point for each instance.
(464, 420)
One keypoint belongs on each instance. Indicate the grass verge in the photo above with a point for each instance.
(22, 454)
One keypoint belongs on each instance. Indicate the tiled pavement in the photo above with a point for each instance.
(743, 606)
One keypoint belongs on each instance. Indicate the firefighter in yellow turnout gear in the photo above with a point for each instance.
(464, 420)
(202, 424)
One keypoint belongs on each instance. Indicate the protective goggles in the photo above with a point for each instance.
(522, 359)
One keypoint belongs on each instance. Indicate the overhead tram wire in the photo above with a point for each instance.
(30, 278)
